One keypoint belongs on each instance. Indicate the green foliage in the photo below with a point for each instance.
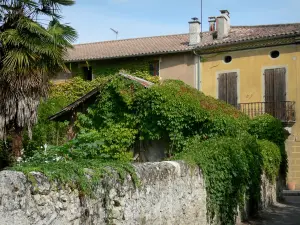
(227, 167)
(110, 144)
(76, 88)
(60, 95)
(271, 158)
(83, 174)
(199, 129)
(176, 111)
(114, 106)
(135, 66)
(30, 54)
(266, 127)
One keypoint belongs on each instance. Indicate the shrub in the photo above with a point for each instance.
(176, 111)
(266, 127)
(271, 158)
(60, 95)
(230, 166)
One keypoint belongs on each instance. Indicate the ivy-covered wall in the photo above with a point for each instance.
(138, 66)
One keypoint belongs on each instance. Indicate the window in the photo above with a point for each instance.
(227, 88)
(88, 73)
(274, 54)
(227, 59)
(154, 68)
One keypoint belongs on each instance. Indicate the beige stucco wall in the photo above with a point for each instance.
(61, 78)
(179, 66)
(250, 65)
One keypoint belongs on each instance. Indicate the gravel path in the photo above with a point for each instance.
(287, 213)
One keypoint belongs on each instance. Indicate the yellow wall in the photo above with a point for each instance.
(250, 65)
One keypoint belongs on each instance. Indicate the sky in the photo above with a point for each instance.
(141, 18)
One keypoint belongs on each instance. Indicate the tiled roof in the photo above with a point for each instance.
(176, 43)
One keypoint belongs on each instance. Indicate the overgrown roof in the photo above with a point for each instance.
(90, 98)
(177, 43)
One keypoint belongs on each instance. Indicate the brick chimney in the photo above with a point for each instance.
(223, 24)
(212, 23)
(194, 32)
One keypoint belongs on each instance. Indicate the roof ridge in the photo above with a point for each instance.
(267, 25)
(126, 39)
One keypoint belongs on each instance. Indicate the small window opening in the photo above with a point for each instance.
(227, 59)
(154, 68)
(275, 54)
(88, 73)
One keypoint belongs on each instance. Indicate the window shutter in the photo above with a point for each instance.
(222, 92)
(232, 88)
(269, 85)
(280, 85)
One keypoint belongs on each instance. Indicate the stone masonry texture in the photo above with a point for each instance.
(170, 193)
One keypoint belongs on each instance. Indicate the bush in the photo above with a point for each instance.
(60, 95)
(176, 111)
(271, 158)
(266, 127)
(231, 166)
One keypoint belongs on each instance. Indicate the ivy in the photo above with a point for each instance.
(83, 174)
(266, 127)
(135, 66)
(227, 163)
(199, 129)
(175, 111)
(271, 158)
(61, 95)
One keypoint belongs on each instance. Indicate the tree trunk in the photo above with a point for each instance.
(17, 143)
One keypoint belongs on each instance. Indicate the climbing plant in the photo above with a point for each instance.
(231, 166)
(139, 67)
(266, 127)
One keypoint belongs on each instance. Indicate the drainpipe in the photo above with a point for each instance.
(198, 75)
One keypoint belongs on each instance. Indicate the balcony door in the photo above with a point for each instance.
(275, 92)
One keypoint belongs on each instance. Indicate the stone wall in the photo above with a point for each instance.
(170, 193)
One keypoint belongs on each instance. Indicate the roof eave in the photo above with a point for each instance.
(229, 44)
(130, 56)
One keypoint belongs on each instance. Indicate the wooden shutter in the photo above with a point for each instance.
(269, 85)
(228, 88)
(275, 92)
(280, 85)
(222, 92)
(280, 93)
(232, 88)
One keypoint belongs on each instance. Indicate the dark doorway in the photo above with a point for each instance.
(88, 73)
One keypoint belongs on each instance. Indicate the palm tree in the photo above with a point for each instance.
(30, 54)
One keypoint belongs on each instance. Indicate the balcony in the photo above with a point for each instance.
(284, 111)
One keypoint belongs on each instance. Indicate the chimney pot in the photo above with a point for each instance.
(212, 23)
(225, 11)
(194, 31)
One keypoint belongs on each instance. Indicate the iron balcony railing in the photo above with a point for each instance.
(284, 111)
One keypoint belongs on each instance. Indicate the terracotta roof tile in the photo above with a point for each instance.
(175, 43)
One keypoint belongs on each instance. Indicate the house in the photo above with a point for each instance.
(255, 68)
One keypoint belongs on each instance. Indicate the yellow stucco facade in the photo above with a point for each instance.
(250, 66)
